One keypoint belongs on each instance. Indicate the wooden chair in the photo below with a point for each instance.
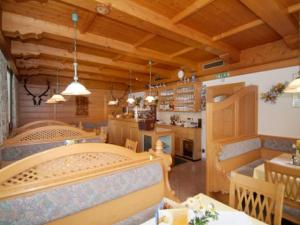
(257, 198)
(132, 145)
(290, 178)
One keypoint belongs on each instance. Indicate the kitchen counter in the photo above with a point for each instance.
(187, 140)
(171, 126)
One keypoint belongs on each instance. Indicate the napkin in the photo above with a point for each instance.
(232, 218)
(173, 216)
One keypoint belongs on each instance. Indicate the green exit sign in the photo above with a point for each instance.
(222, 75)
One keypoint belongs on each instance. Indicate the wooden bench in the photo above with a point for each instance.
(244, 154)
(90, 183)
(36, 124)
(41, 139)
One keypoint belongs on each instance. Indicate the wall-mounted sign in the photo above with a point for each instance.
(222, 75)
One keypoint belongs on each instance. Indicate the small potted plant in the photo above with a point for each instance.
(296, 157)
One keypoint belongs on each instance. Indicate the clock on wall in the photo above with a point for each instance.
(180, 74)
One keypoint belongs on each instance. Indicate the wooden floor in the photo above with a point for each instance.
(188, 179)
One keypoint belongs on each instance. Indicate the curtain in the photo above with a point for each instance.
(3, 99)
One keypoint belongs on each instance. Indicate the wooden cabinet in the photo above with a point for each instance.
(185, 133)
(183, 97)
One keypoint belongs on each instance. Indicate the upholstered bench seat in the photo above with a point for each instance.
(248, 168)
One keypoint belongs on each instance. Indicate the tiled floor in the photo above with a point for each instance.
(188, 179)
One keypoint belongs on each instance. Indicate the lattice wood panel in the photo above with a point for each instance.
(66, 166)
(49, 133)
(289, 177)
(255, 204)
(36, 124)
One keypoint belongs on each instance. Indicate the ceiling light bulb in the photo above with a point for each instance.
(130, 100)
(149, 98)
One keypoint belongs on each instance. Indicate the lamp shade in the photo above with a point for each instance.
(293, 87)
(113, 102)
(130, 99)
(58, 98)
(51, 101)
(149, 98)
(76, 88)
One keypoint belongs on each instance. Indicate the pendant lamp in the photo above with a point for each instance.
(130, 99)
(294, 86)
(150, 98)
(75, 88)
(56, 98)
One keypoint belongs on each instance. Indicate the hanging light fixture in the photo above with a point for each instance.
(56, 98)
(130, 99)
(294, 86)
(150, 98)
(75, 88)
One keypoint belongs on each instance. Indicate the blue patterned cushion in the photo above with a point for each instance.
(61, 201)
(279, 145)
(12, 153)
(238, 148)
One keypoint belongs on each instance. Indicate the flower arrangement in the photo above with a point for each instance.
(200, 214)
(297, 146)
(274, 92)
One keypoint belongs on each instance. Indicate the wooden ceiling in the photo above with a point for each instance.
(174, 34)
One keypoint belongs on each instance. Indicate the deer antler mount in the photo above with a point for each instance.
(37, 99)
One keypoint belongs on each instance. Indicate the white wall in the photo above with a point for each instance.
(279, 119)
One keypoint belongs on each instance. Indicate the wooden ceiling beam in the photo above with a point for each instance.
(5, 48)
(70, 74)
(28, 49)
(185, 50)
(274, 14)
(88, 22)
(22, 25)
(144, 39)
(153, 22)
(294, 8)
(238, 29)
(54, 64)
(194, 7)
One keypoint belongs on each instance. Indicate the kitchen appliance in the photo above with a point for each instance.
(188, 148)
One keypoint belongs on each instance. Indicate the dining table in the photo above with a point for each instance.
(284, 159)
(227, 214)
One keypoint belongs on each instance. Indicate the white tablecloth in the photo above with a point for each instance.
(227, 215)
(284, 159)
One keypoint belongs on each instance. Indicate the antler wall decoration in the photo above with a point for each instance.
(37, 99)
(116, 100)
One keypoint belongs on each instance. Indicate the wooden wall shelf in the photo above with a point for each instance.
(183, 97)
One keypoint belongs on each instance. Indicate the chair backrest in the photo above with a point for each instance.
(130, 144)
(257, 198)
(289, 177)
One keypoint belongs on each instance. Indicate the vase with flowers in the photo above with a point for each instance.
(296, 157)
(200, 214)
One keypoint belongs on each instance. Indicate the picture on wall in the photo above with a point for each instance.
(82, 106)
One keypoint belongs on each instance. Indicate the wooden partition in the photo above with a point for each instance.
(234, 118)
(65, 166)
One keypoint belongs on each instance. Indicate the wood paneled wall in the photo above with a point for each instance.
(66, 112)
